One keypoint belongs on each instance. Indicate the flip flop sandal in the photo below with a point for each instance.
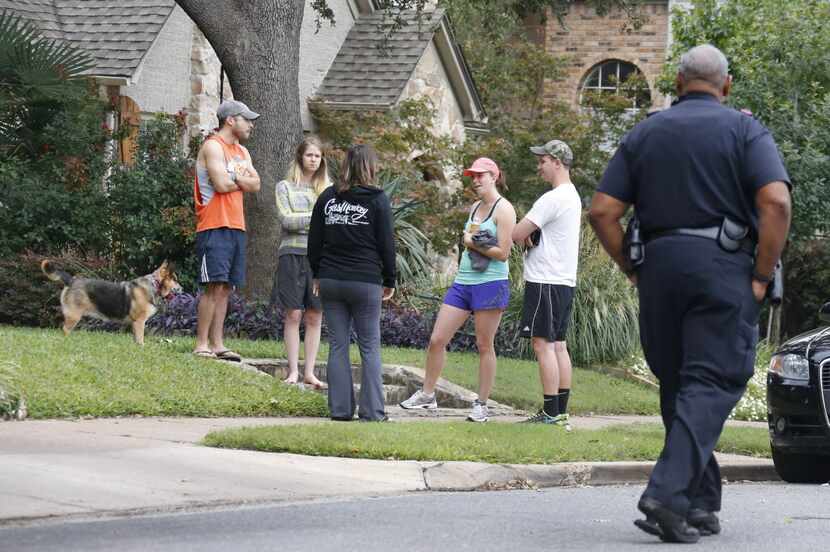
(204, 354)
(227, 354)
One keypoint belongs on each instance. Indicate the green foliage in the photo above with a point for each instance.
(807, 285)
(39, 79)
(412, 155)
(604, 324)
(73, 200)
(413, 259)
(43, 208)
(12, 401)
(151, 204)
(778, 56)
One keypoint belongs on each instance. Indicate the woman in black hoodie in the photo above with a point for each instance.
(351, 250)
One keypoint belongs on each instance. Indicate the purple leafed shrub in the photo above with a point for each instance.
(399, 326)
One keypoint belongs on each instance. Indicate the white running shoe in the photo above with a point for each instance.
(419, 399)
(479, 413)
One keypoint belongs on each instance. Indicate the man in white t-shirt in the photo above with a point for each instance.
(550, 231)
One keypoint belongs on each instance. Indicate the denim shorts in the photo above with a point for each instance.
(477, 297)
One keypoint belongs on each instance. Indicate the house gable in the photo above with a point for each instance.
(116, 34)
(363, 77)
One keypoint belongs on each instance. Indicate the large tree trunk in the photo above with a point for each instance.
(258, 43)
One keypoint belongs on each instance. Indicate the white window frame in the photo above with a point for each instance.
(598, 68)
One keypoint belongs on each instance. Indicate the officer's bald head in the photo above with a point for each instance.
(704, 63)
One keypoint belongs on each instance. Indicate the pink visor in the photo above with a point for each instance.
(482, 165)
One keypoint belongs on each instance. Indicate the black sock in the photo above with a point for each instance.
(563, 400)
(551, 407)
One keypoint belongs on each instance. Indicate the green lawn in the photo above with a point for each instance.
(492, 442)
(104, 374)
(517, 381)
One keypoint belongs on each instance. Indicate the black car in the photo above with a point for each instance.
(798, 406)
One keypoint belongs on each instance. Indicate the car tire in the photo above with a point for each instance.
(801, 468)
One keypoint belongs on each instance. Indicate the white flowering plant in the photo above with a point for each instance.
(752, 406)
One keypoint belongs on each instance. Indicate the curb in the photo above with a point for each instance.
(473, 476)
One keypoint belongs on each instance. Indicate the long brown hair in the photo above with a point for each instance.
(320, 180)
(359, 168)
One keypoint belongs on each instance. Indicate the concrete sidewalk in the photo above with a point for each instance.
(133, 465)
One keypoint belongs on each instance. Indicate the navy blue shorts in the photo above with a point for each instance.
(478, 297)
(221, 253)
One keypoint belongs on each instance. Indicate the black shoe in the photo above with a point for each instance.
(673, 527)
(649, 525)
(707, 523)
(342, 418)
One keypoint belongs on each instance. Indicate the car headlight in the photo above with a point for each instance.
(790, 366)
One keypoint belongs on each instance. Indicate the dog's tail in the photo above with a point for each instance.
(55, 274)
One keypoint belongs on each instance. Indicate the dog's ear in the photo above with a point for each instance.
(165, 270)
(171, 269)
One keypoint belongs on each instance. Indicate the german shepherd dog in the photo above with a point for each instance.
(134, 301)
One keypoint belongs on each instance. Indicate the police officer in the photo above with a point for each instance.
(709, 189)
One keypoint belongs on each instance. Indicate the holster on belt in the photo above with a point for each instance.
(731, 235)
(775, 289)
(634, 248)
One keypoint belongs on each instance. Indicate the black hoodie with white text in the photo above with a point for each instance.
(351, 236)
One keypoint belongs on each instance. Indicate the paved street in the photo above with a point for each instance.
(756, 517)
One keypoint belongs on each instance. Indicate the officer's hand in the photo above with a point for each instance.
(315, 287)
(759, 290)
(387, 293)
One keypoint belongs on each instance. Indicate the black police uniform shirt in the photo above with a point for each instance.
(693, 164)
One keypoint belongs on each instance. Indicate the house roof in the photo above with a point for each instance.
(115, 33)
(363, 76)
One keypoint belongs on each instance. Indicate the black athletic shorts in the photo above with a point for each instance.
(546, 311)
(293, 288)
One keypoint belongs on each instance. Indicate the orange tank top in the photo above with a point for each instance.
(219, 210)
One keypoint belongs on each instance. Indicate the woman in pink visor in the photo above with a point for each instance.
(481, 287)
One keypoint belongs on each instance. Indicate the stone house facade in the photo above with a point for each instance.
(602, 51)
(150, 57)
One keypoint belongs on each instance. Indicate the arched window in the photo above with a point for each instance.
(617, 78)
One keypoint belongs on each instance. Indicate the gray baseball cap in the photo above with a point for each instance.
(555, 148)
(232, 108)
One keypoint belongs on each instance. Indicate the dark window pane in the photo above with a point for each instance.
(593, 79)
(626, 70)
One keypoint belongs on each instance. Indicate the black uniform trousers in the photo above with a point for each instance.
(698, 328)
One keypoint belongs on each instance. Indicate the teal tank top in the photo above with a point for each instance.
(496, 270)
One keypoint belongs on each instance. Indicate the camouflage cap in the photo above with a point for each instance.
(557, 149)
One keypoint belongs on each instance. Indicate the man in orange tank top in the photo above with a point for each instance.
(223, 173)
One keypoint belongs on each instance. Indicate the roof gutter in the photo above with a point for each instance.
(349, 106)
(459, 73)
(109, 80)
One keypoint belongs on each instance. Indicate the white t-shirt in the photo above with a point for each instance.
(558, 214)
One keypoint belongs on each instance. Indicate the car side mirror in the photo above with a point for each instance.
(824, 313)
